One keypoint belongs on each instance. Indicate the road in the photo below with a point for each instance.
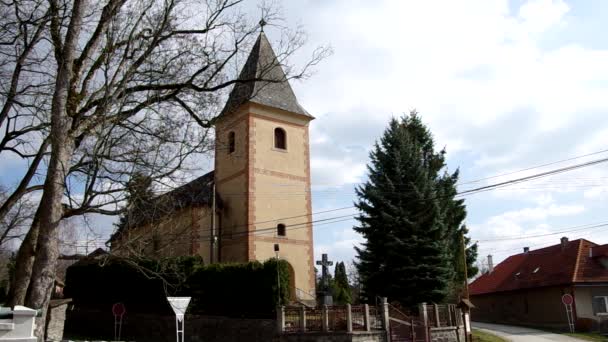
(520, 334)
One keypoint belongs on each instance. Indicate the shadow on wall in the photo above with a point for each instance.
(96, 325)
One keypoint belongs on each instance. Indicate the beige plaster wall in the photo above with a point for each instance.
(583, 299)
(258, 183)
(183, 232)
(231, 177)
(280, 182)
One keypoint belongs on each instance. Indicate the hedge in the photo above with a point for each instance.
(235, 290)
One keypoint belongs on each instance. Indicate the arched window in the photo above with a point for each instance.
(281, 231)
(280, 138)
(231, 143)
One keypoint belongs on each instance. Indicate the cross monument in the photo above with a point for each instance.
(325, 291)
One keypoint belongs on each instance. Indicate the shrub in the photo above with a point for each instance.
(236, 290)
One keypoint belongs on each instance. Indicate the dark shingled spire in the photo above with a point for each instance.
(262, 64)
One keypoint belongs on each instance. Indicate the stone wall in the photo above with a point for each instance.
(447, 334)
(374, 336)
(155, 328)
(56, 319)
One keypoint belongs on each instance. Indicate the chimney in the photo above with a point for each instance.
(564, 241)
(490, 264)
(526, 250)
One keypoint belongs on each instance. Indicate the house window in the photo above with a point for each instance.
(231, 143)
(600, 305)
(281, 230)
(280, 138)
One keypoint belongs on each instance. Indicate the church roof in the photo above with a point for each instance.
(197, 192)
(264, 83)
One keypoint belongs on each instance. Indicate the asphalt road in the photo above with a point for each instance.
(520, 334)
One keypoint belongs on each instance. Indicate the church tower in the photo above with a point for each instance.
(262, 171)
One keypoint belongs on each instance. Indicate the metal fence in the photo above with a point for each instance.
(292, 319)
(336, 318)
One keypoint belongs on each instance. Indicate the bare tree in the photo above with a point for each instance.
(132, 86)
(15, 223)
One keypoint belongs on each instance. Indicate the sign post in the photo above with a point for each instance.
(179, 306)
(118, 309)
(568, 300)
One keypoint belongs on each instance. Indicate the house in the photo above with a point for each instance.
(257, 203)
(526, 288)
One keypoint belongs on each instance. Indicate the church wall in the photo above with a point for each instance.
(280, 183)
(291, 161)
(231, 185)
(183, 232)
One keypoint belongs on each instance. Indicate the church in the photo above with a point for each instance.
(258, 197)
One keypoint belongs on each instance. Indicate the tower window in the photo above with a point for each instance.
(231, 143)
(281, 229)
(280, 138)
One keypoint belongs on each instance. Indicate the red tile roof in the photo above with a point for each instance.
(553, 265)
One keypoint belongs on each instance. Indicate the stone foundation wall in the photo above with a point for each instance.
(374, 336)
(56, 320)
(447, 334)
(95, 325)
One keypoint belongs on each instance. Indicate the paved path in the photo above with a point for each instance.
(520, 334)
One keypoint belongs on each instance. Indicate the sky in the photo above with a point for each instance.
(503, 85)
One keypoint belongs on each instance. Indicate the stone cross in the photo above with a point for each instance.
(324, 263)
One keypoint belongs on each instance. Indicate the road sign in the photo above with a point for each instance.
(179, 306)
(567, 299)
(118, 309)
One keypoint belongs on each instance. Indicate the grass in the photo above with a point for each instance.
(482, 336)
(588, 336)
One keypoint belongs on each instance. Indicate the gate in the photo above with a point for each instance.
(404, 328)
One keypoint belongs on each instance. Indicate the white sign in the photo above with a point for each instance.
(467, 323)
(179, 306)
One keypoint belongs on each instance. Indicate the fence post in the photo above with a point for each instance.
(366, 317)
(413, 326)
(349, 318)
(450, 307)
(303, 318)
(281, 319)
(436, 312)
(385, 317)
(325, 318)
(423, 314)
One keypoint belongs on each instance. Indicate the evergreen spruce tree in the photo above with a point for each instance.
(342, 293)
(408, 217)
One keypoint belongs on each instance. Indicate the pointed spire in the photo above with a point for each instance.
(271, 87)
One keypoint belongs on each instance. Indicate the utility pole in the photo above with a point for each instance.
(464, 265)
(467, 336)
(276, 250)
(213, 246)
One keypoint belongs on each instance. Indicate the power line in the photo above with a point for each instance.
(571, 229)
(535, 167)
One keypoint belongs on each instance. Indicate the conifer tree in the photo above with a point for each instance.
(342, 293)
(408, 217)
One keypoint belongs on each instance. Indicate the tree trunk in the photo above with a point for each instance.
(24, 261)
(62, 147)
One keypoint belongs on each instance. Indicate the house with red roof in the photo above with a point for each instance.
(526, 288)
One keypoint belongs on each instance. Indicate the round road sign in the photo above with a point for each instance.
(567, 299)
(118, 309)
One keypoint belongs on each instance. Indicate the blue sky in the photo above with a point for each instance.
(504, 85)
